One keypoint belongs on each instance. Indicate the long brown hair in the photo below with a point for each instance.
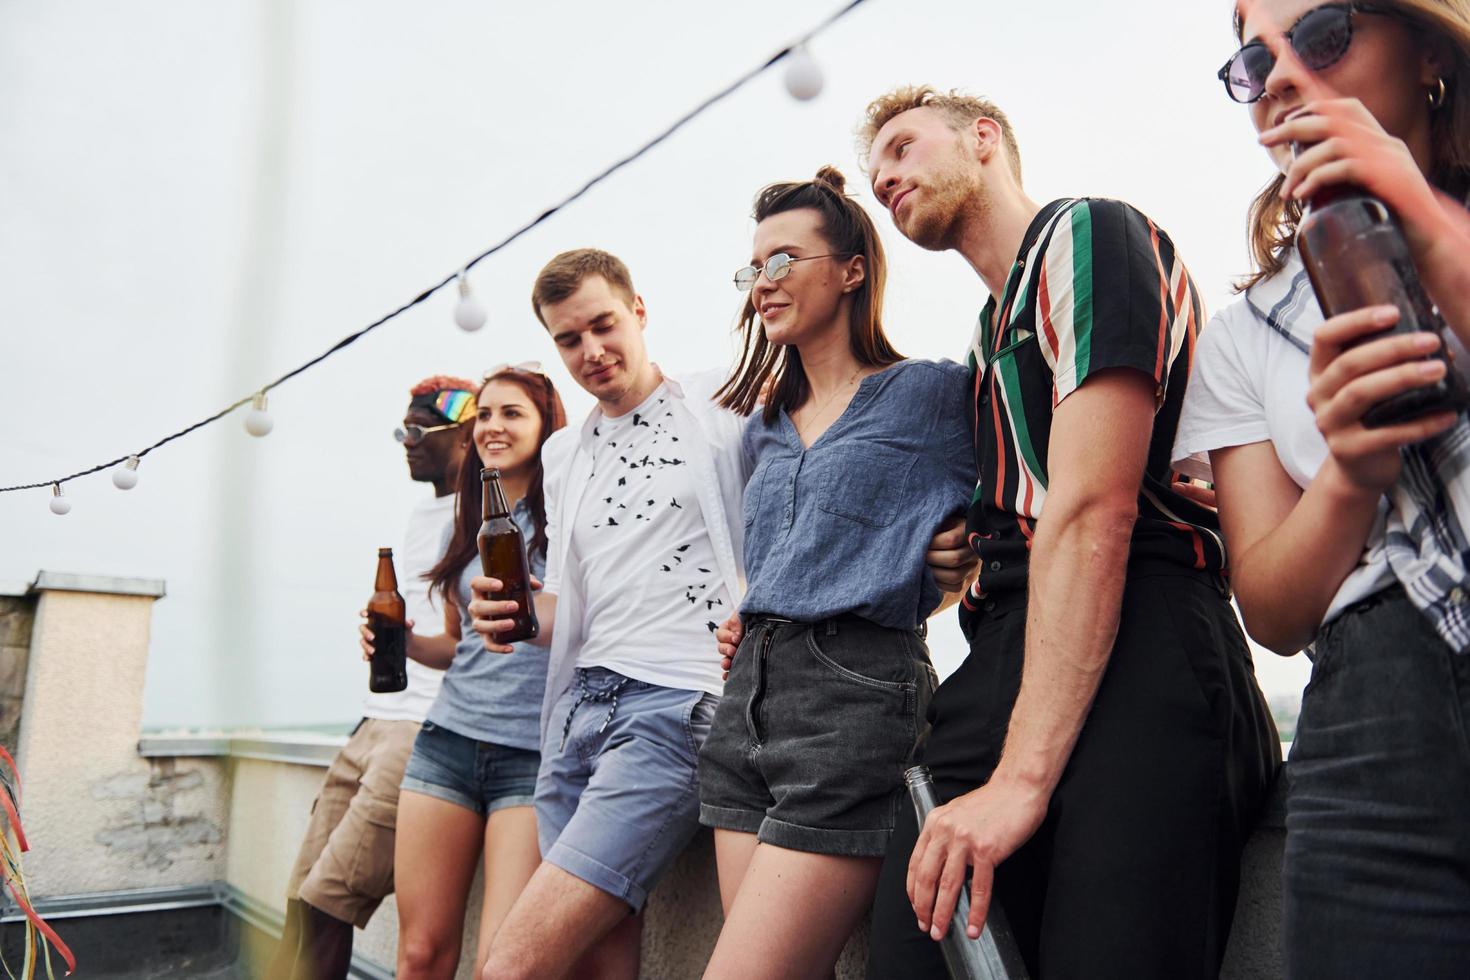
(1273, 222)
(463, 548)
(764, 366)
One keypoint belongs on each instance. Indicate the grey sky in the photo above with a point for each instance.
(201, 196)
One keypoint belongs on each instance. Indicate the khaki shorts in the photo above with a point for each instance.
(345, 867)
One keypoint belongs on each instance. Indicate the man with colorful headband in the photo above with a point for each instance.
(345, 866)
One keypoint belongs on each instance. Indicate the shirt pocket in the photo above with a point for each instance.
(751, 503)
(865, 483)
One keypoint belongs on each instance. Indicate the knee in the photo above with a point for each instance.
(500, 966)
(423, 956)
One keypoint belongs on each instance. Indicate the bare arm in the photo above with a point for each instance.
(1289, 550)
(1292, 549)
(952, 562)
(1099, 445)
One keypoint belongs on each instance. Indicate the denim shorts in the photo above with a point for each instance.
(616, 800)
(479, 776)
(818, 723)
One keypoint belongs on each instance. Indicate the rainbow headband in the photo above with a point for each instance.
(454, 404)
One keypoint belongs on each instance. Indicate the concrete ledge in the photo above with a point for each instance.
(103, 584)
(302, 749)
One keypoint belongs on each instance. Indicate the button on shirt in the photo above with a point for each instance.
(843, 526)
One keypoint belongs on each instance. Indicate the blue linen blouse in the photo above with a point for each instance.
(843, 526)
(493, 697)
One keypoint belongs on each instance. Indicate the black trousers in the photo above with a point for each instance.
(1135, 870)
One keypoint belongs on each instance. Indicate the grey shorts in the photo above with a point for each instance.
(616, 799)
(818, 723)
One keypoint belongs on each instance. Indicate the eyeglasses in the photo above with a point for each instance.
(1320, 37)
(775, 268)
(412, 435)
(525, 367)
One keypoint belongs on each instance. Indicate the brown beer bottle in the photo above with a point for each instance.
(1356, 256)
(388, 619)
(503, 557)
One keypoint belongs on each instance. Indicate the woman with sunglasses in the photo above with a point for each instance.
(470, 781)
(1346, 539)
(858, 456)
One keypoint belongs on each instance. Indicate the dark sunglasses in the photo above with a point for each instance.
(1320, 37)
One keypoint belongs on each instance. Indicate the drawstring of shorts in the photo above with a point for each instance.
(583, 696)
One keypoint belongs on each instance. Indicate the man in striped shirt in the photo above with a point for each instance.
(1105, 748)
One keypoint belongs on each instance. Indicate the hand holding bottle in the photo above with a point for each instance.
(492, 617)
(1344, 144)
(365, 635)
(1350, 373)
(970, 834)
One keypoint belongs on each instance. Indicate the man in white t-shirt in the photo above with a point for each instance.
(645, 531)
(644, 528)
(345, 866)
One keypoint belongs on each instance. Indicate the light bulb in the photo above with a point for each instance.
(59, 504)
(468, 312)
(125, 477)
(803, 76)
(259, 422)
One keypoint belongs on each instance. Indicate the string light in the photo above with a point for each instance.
(125, 477)
(259, 422)
(803, 80)
(803, 75)
(469, 313)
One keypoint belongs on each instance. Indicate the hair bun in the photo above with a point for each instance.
(833, 178)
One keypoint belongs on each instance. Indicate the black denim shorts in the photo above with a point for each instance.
(818, 723)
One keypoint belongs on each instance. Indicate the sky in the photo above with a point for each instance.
(199, 197)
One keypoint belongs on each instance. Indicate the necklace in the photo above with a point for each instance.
(817, 413)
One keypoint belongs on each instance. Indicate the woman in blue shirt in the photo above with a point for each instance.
(858, 456)
(469, 783)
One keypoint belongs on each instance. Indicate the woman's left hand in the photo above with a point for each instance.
(1343, 144)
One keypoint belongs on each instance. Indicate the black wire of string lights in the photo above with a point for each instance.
(803, 80)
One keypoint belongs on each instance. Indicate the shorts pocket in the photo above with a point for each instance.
(370, 869)
(699, 721)
(860, 658)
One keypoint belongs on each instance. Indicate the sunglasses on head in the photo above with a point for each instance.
(525, 367)
(1319, 38)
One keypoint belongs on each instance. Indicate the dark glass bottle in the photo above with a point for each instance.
(388, 619)
(1356, 256)
(503, 557)
(994, 956)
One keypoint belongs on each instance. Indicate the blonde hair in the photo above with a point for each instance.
(1273, 222)
(957, 108)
